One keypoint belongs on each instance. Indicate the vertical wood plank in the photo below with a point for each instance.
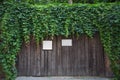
(59, 59)
(27, 57)
(78, 57)
(35, 57)
(38, 71)
(42, 62)
(93, 43)
(45, 61)
(20, 63)
(49, 63)
(54, 59)
(24, 60)
(87, 54)
(31, 57)
(84, 58)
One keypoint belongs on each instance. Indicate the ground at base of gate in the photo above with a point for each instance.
(62, 78)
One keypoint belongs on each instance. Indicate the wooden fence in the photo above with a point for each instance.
(84, 58)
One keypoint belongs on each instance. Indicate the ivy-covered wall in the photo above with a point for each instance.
(60, 1)
(20, 20)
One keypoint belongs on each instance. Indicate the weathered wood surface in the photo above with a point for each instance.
(84, 58)
(2, 75)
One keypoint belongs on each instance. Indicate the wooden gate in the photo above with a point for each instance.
(84, 58)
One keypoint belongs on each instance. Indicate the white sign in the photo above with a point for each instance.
(66, 42)
(47, 45)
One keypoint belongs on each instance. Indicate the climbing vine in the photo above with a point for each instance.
(110, 37)
(59, 1)
(19, 21)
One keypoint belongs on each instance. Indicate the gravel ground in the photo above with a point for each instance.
(61, 78)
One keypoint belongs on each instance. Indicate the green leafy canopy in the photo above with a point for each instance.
(21, 20)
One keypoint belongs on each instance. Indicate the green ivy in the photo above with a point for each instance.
(19, 21)
(110, 37)
(59, 1)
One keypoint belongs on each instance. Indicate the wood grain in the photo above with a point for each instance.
(84, 58)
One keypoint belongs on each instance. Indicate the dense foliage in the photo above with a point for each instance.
(60, 1)
(19, 21)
